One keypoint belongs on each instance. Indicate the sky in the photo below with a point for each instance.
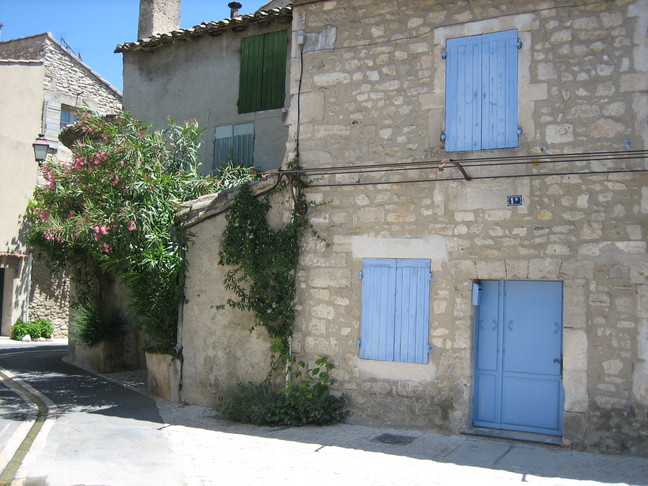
(93, 28)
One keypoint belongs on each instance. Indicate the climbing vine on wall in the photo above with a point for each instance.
(264, 262)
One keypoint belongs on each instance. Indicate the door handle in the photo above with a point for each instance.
(560, 362)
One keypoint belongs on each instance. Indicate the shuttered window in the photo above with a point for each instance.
(395, 310)
(234, 143)
(263, 72)
(482, 92)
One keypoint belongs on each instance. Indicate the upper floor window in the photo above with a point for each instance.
(263, 72)
(482, 92)
(234, 143)
(68, 116)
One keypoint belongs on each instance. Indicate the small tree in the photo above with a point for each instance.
(112, 211)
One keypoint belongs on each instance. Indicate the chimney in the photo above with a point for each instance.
(234, 9)
(158, 16)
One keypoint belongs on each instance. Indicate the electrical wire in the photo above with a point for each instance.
(475, 164)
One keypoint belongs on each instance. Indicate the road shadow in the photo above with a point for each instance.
(76, 390)
(71, 388)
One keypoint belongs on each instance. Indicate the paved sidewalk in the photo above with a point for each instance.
(213, 451)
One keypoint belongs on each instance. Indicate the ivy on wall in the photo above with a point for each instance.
(264, 262)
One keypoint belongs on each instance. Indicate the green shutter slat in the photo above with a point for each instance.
(251, 74)
(274, 70)
(263, 72)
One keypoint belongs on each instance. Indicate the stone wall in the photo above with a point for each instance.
(49, 297)
(373, 92)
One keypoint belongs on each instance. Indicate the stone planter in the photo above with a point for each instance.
(117, 354)
(163, 375)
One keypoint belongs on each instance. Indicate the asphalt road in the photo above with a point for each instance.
(96, 433)
(100, 433)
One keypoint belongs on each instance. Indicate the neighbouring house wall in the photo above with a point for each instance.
(71, 83)
(21, 89)
(38, 78)
(373, 92)
(199, 80)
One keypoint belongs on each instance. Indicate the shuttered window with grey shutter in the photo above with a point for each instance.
(234, 143)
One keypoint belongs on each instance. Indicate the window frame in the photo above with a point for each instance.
(73, 116)
(246, 134)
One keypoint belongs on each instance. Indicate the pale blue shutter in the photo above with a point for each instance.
(482, 92)
(395, 310)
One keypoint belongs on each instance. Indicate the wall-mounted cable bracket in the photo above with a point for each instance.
(441, 166)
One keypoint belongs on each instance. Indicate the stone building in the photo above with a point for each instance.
(42, 85)
(479, 170)
(231, 76)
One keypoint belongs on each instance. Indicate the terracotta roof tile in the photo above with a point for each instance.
(206, 28)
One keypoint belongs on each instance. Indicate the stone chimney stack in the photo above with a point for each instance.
(234, 9)
(158, 16)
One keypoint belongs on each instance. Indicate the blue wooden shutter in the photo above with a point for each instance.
(395, 310)
(482, 92)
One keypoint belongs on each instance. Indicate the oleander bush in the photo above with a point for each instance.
(111, 211)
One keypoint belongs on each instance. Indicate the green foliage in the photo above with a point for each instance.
(250, 403)
(36, 329)
(232, 175)
(306, 399)
(262, 278)
(93, 324)
(264, 263)
(112, 210)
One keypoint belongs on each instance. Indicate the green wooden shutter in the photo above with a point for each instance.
(274, 70)
(263, 72)
(251, 74)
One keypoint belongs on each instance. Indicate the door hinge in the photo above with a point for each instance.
(361, 275)
(519, 44)
(520, 131)
(443, 136)
(444, 55)
(358, 343)
(431, 277)
(430, 349)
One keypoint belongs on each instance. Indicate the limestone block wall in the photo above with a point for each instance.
(373, 92)
(219, 350)
(49, 297)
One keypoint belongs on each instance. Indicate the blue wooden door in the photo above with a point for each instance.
(518, 365)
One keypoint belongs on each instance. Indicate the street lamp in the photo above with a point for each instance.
(40, 149)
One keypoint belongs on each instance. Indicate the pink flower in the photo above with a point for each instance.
(105, 248)
(131, 226)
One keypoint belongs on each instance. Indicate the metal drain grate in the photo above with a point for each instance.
(395, 439)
